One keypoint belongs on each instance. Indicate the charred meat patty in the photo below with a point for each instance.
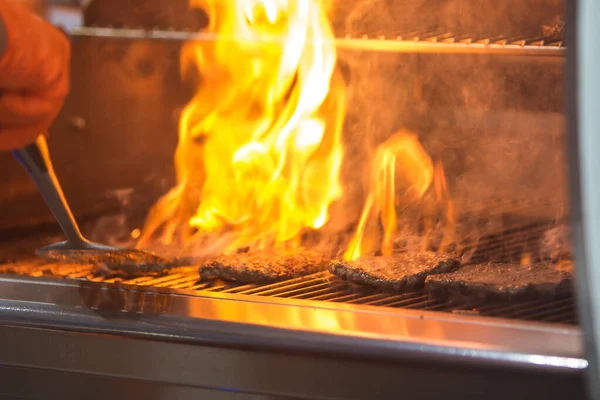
(486, 282)
(130, 271)
(264, 266)
(125, 263)
(399, 272)
(113, 257)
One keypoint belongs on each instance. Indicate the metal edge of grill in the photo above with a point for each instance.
(56, 302)
(325, 288)
(412, 42)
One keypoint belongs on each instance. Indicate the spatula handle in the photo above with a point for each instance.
(35, 158)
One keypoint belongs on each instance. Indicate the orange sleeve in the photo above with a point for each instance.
(34, 75)
(2, 37)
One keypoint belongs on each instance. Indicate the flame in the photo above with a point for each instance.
(401, 172)
(442, 196)
(260, 145)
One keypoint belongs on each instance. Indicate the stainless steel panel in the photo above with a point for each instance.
(129, 337)
(583, 88)
(42, 384)
(117, 366)
(269, 322)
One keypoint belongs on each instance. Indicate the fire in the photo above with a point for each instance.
(401, 171)
(400, 164)
(260, 145)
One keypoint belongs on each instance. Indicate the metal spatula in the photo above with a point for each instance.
(35, 158)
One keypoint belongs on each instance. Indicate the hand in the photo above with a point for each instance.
(34, 75)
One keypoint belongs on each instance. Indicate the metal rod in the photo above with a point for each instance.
(36, 160)
(379, 44)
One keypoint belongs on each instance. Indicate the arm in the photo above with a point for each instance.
(2, 38)
(34, 74)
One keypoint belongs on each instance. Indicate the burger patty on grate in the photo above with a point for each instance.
(399, 272)
(132, 270)
(485, 282)
(263, 266)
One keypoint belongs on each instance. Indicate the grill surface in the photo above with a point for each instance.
(321, 287)
(508, 244)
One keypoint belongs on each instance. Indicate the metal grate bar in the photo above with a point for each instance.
(322, 289)
(201, 286)
(435, 42)
(435, 307)
(565, 317)
(327, 296)
(171, 280)
(188, 283)
(256, 289)
(306, 291)
(540, 309)
(346, 298)
(239, 289)
(411, 302)
(543, 313)
(368, 299)
(507, 308)
(509, 246)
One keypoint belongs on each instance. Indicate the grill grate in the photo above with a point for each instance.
(465, 39)
(374, 41)
(507, 243)
(321, 286)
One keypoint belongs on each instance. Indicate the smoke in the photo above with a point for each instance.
(113, 230)
(394, 17)
(494, 122)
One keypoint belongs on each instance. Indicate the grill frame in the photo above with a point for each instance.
(88, 306)
(411, 42)
(82, 330)
(54, 330)
(321, 287)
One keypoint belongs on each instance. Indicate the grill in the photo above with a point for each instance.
(479, 83)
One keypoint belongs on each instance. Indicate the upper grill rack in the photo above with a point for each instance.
(410, 42)
(320, 287)
(456, 43)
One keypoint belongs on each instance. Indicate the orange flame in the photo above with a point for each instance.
(401, 172)
(260, 146)
(443, 197)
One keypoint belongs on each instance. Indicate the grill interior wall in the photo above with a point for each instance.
(495, 123)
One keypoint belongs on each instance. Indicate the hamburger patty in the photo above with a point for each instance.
(399, 272)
